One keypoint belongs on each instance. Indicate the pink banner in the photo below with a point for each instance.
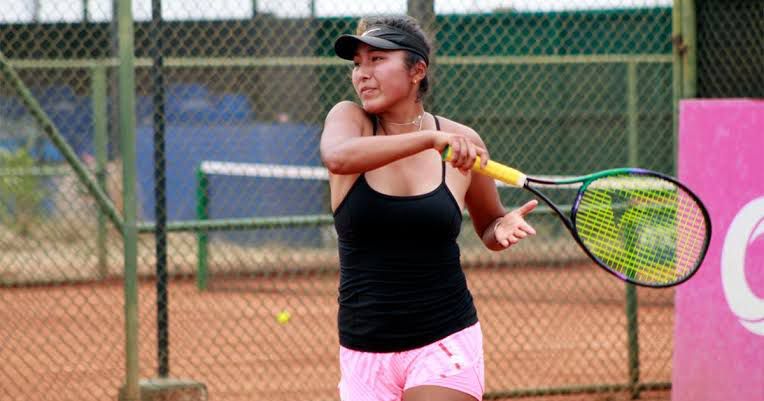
(719, 327)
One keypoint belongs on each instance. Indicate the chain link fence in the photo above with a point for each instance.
(730, 48)
(237, 256)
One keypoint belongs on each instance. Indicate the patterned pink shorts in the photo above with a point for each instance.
(455, 362)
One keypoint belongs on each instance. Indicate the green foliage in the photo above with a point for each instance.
(21, 193)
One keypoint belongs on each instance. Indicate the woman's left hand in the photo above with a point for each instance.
(512, 227)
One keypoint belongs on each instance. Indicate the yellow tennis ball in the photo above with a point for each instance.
(283, 317)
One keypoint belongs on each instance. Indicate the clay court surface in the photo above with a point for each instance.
(544, 327)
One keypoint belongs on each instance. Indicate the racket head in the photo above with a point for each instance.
(645, 227)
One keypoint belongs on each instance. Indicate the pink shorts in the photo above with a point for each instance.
(455, 362)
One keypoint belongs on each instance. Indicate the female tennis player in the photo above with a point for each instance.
(408, 328)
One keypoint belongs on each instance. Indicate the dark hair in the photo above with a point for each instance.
(407, 24)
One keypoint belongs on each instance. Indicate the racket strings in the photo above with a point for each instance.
(642, 227)
(691, 226)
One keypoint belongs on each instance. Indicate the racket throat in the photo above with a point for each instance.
(548, 202)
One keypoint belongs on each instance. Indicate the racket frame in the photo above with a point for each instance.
(570, 220)
(518, 179)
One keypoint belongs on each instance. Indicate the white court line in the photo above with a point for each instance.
(320, 173)
(264, 170)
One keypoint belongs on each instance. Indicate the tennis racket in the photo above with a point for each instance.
(642, 226)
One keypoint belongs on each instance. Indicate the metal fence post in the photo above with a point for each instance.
(202, 186)
(126, 85)
(689, 61)
(100, 127)
(160, 190)
(632, 321)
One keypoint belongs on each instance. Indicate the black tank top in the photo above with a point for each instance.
(401, 282)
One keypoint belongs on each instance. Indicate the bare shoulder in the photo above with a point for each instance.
(346, 110)
(346, 119)
(449, 125)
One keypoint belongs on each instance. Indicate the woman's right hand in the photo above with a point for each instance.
(463, 150)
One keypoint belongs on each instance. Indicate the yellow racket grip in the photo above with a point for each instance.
(495, 170)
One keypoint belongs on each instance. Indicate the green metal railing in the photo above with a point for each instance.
(203, 224)
(614, 96)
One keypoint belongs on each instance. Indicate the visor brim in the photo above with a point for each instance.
(346, 45)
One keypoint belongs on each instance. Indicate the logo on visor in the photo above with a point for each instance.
(370, 31)
(746, 228)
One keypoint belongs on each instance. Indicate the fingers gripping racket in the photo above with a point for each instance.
(644, 227)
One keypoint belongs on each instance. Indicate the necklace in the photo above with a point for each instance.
(418, 120)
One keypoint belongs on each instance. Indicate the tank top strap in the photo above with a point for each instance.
(442, 163)
(373, 124)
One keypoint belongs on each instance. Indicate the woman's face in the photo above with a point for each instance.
(380, 77)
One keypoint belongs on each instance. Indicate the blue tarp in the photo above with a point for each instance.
(199, 126)
(236, 197)
(73, 114)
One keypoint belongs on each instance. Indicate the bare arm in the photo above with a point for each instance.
(485, 209)
(497, 228)
(344, 150)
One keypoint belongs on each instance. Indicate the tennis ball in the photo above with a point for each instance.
(283, 317)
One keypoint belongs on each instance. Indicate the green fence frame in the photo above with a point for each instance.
(202, 225)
